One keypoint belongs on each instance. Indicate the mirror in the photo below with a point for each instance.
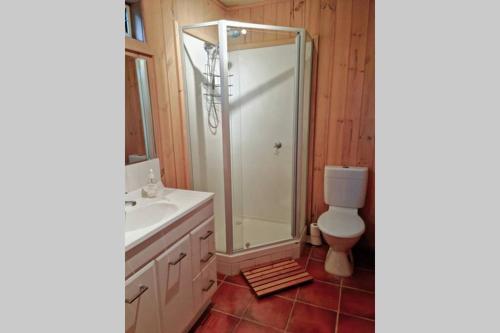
(139, 136)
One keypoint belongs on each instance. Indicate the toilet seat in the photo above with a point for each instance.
(341, 223)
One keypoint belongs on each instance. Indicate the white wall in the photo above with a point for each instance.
(206, 148)
(137, 174)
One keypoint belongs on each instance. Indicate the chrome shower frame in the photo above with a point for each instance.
(300, 41)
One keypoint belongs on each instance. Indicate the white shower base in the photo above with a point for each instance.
(260, 232)
(251, 232)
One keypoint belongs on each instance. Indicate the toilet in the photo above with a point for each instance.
(341, 226)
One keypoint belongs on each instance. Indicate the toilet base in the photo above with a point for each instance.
(339, 263)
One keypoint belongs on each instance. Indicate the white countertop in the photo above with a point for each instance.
(184, 200)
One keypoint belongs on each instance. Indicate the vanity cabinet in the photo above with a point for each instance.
(176, 291)
(141, 302)
(171, 276)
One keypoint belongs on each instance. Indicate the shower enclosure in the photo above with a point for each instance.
(247, 115)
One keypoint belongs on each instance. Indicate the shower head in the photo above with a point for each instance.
(209, 47)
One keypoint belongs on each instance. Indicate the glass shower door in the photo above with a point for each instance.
(263, 83)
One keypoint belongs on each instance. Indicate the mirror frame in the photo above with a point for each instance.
(152, 131)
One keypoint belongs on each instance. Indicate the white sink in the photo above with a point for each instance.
(145, 216)
(150, 215)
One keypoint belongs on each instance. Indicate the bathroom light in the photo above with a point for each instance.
(243, 31)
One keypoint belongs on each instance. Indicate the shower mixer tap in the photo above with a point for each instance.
(277, 146)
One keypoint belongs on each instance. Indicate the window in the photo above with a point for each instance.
(128, 25)
(133, 20)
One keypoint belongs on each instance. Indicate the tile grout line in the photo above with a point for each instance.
(242, 315)
(324, 308)
(358, 316)
(226, 313)
(290, 315)
(315, 306)
(348, 287)
(262, 324)
(241, 318)
(296, 300)
(358, 289)
(297, 293)
(235, 284)
(372, 270)
(337, 319)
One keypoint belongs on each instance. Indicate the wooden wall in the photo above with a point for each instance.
(343, 124)
(173, 14)
(344, 120)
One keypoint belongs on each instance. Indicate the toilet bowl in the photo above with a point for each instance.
(341, 226)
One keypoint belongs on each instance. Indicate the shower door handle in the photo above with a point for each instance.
(277, 146)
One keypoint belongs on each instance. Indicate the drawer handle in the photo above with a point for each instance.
(207, 257)
(182, 256)
(209, 232)
(142, 290)
(210, 284)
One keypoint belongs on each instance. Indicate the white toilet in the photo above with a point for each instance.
(341, 226)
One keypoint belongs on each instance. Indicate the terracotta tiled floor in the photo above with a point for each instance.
(328, 304)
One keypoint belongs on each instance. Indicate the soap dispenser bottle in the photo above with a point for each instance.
(151, 189)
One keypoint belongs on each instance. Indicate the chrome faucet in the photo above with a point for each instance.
(130, 203)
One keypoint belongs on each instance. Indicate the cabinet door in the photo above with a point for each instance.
(203, 245)
(175, 284)
(142, 313)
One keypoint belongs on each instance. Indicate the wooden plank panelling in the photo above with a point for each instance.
(270, 17)
(343, 122)
(257, 15)
(356, 71)
(366, 146)
(155, 48)
(326, 40)
(160, 18)
(338, 85)
(297, 13)
(283, 13)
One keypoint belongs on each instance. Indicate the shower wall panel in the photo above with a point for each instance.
(205, 147)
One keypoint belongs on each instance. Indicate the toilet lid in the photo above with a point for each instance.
(341, 224)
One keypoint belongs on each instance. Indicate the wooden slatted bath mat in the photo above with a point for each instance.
(270, 278)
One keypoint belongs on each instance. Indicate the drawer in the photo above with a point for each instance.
(205, 284)
(203, 245)
(142, 313)
(175, 286)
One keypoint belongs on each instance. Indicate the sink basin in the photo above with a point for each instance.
(145, 216)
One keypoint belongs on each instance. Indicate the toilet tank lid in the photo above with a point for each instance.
(336, 171)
